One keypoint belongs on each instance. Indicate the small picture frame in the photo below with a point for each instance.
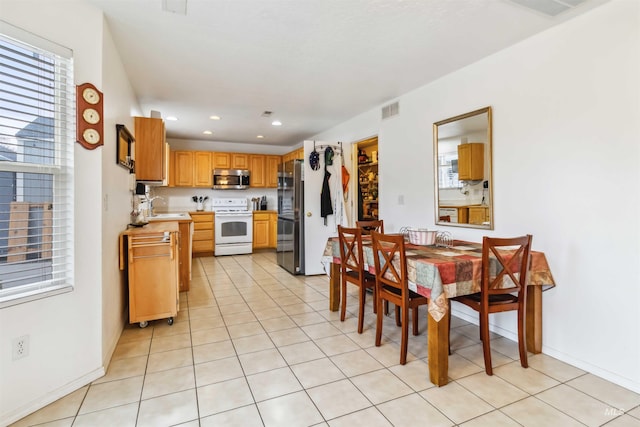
(124, 147)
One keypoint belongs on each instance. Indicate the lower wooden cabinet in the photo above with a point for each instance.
(184, 248)
(202, 242)
(478, 214)
(260, 230)
(150, 256)
(185, 229)
(264, 230)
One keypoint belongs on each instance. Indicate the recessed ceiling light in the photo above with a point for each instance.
(214, 117)
(207, 132)
(276, 123)
(172, 118)
(260, 136)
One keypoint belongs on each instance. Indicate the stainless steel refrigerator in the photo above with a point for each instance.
(290, 249)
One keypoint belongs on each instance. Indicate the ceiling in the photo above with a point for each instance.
(312, 63)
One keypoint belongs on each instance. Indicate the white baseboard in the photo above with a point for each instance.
(50, 397)
(592, 369)
(563, 357)
(473, 318)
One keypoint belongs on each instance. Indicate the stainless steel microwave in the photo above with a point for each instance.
(231, 179)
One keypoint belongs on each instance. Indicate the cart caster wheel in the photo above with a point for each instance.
(170, 321)
(144, 324)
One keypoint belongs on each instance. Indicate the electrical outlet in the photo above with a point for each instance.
(21, 347)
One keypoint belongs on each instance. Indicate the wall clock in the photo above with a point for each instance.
(89, 120)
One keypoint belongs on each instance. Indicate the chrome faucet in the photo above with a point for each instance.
(150, 205)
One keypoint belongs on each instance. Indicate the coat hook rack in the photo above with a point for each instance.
(336, 149)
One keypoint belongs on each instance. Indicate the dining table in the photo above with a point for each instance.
(440, 273)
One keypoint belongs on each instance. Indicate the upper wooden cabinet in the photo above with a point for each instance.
(230, 161)
(471, 161)
(240, 161)
(202, 169)
(194, 168)
(271, 171)
(257, 168)
(293, 155)
(191, 169)
(264, 170)
(183, 169)
(221, 160)
(150, 160)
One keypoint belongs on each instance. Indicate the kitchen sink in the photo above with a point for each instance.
(167, 216)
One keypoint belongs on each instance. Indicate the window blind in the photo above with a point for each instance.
(37, 132)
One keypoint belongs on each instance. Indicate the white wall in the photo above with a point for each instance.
(120, 106)
(565, 157)
(68, 343)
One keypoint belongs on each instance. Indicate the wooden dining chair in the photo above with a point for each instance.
(392, 285)
(352, 269)
(505, 266)
(368, 226)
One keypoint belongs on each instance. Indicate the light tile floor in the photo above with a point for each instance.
(255, 346)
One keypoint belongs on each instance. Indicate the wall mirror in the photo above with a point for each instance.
(124, 147)
(463, 180)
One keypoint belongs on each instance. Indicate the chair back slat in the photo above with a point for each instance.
(351, 257)
(505, 265)
(390, 261)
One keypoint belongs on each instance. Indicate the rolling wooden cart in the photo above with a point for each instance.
(149, 254)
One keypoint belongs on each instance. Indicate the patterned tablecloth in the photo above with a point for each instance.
(440, 273)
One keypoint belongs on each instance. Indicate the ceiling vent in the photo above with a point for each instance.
(390, 110)
(549, 7)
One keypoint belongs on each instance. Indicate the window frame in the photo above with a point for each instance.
(60, 168)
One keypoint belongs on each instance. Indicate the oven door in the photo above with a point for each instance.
(450, 213)
(233, 228)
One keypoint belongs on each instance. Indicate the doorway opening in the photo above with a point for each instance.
(368, 190)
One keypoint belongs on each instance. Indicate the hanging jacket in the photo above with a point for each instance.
(326, 207)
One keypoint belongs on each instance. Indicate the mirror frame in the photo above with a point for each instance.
(488, 111)
(124, 148)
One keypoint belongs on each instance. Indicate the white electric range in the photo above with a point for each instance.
(233, 226)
